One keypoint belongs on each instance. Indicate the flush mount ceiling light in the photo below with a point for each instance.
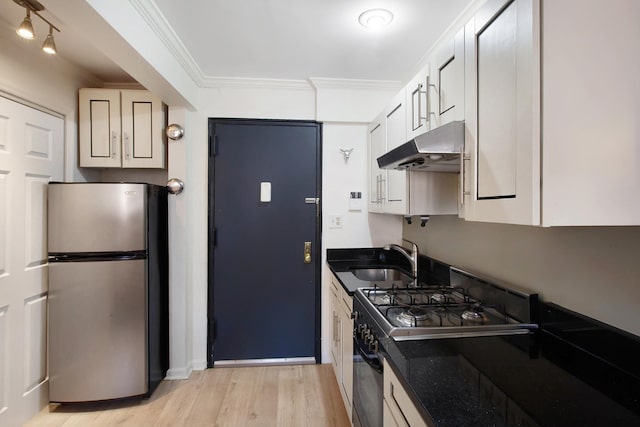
(25, 30)
(375, 19)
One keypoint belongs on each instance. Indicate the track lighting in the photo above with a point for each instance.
(25, 30)
(49, 45)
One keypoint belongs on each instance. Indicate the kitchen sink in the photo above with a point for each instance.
(381, 275)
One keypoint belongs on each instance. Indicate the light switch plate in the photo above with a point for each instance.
(335, 221)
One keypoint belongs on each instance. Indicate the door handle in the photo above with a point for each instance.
(307, 252)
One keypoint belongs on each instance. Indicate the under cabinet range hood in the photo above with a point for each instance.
(435, 151)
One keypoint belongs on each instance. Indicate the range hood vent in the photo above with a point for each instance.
(435, 151)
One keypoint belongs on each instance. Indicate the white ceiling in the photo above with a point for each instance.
(279, 39)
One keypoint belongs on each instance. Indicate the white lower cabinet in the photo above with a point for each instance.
(398, 410)
(342, 341)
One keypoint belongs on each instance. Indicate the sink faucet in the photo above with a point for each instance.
(412, 257)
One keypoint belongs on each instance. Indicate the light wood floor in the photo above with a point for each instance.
(279, 396)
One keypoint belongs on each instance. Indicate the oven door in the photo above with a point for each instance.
(367, 385)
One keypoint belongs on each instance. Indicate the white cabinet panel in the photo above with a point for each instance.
(377, 177)
(417, 109)
(396, 189)
(497, 106)
(4, 134)
(121, 128)
(342, 341)
(446, 82)
(502, 113)
(99, 130)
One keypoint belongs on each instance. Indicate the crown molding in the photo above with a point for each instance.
(161, 27)
(355, 84)
(255, 83)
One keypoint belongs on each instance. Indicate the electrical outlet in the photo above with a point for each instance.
(335, 221)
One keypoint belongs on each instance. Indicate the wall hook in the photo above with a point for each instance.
(346, 153)
(423, 220)
(408, 218)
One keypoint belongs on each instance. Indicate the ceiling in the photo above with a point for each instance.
(276, 39)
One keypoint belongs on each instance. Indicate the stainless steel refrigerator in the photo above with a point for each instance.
(108, 290)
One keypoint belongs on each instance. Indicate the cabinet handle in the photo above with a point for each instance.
(383, 193)
(463, 158)
(126, 146)
(429, 86)
(419, 92)
(114, 139)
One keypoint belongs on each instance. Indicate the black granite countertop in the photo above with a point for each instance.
(523, 380)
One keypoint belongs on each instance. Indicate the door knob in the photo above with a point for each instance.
(307, 252)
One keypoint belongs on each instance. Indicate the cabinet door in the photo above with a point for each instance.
(336, 353)
(346, 336)
(395, 192)
(377, 176)
(402, 410)
(446, 82)
(99, 133)
(503, 114)
(416, 102)
(142, 130)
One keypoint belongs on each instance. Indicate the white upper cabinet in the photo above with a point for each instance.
(405, 193)
(503, 113)
(551, 113)
(121, 128)
(445, 91)
(396, 189)
(417, 109)
(377, 176)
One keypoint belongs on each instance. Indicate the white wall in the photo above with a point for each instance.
(591, 270)
(22, 77)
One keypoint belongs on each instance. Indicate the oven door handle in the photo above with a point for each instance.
(374, 362)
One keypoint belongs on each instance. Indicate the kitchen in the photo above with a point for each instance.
(599, 264)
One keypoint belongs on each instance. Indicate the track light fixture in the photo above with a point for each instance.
(25, 30)
(49, 45)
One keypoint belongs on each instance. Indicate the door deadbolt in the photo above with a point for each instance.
(307, 252)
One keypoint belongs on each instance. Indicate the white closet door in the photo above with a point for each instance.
(31, 154)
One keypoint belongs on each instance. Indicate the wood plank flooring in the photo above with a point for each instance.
(278, 396)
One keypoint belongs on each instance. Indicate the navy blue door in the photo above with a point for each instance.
(263, 295)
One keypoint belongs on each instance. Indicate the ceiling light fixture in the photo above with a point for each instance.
(25, 30)
(375, 19)
(49, 45)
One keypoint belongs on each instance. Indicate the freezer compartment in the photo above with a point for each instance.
(98, 330)
(97, 217)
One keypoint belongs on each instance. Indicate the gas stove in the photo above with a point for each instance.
(470, 306)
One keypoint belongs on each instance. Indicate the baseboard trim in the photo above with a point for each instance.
(266, 362)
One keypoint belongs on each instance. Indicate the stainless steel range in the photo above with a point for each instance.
(470, 306)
